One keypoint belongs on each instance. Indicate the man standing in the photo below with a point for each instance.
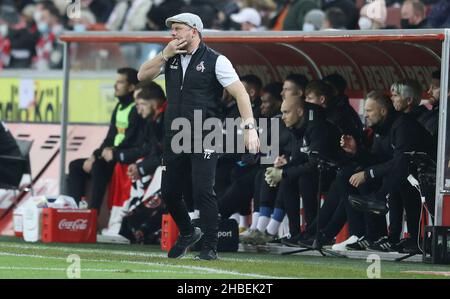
(194, 83)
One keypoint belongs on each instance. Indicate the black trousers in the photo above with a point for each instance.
(200, 170)
(238, 196)
(100, 176)
(336, 210)
(402, 196)
(288, 198)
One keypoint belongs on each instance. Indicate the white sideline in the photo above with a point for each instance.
(119, 252)
(197, 268)
(92, 270)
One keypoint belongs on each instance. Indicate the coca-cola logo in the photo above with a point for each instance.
(79, 224)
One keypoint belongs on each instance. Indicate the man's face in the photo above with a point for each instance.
(144, 108)
(268, 105)
(315, 99)
(48, 18)
(250, 90)
(291, 112)
(290, 89)
(400, 103)
(180, 31)
(122, 87)
(434, 91)
(373, 113)
(135, 93)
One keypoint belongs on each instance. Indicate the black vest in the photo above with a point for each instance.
(200, 89)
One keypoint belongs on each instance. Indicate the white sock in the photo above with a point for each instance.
(194, 215)
(272, 227)
(243, 221)
(262, 223)
(235, 217)
(255, 217)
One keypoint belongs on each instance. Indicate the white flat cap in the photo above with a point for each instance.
(189, 19)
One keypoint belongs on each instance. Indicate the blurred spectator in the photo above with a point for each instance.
(248, 18)
(313, 20)
(334, 19)
(373, 16)
(205, 9)
(349, 9)
(295, 17)
(413, 15)
(85, 22)
(49, 53)
(266, 9)
(17, 43)
(225, 8)
(102, 9)
(282, 10)
(129, 15)
(439, 16)
(157, 15)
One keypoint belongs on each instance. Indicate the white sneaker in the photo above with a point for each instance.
(247, 235)
(341, 246)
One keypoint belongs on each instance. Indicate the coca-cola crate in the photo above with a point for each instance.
(69, 226)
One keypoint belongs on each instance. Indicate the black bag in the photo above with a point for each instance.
(142, 224)
(228, 237)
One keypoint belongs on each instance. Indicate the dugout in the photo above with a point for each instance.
(366, 59)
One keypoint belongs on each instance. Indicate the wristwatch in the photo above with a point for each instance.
(249, 126)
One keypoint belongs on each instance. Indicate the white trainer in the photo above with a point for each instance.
(341, 246)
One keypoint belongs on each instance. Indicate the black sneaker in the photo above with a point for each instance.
(384, 245)
(184, 243)
(409, 246)
(277, 241)
(368, 203)
(207, 254)
(316, 243)
(361, 244)
(291, 241)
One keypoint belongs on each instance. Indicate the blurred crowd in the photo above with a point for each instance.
(29, 29)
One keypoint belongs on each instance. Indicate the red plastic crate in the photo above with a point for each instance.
(169, 232)
(69, 226)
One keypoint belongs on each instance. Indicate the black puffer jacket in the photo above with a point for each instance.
(315, 134)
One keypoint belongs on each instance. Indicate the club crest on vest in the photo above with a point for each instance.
(174, 64)
(200, 67)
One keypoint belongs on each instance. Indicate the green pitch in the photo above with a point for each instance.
(19, 259)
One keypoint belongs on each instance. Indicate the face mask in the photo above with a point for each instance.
(365, 23)
(4, 30)
(405, 24)
(37, 16)
(79, 28)
(308, 27)
(43, 27)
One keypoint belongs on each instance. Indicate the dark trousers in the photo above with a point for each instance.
(336, 210)
(238, 196)
(288, 198)
(402, 196)
(100, 176)
(200, 170)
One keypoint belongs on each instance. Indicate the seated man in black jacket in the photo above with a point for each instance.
(299, 176)
(406, 135)
(149, 147)
(122, 133)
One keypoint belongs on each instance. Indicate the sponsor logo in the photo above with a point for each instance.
(222, 234)
(79, 224)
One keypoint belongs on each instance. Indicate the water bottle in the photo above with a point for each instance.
(83, 204)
